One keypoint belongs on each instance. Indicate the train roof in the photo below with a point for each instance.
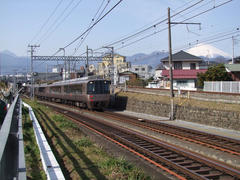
(73, 81)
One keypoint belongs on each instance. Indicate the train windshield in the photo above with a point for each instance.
(98, 87)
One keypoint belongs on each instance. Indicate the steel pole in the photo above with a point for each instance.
(170, 66)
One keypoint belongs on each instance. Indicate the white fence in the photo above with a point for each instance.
(222, 86)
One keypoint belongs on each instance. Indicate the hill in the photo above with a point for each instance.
(11, 64)
(152, 59)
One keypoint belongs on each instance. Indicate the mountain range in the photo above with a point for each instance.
(12, 64)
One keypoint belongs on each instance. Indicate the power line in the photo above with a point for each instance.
(56, 20)
(65, 17)
(156, 32)
(153, 26)
(209, 39)
(45, 23)
(93, 20)
(145, 26)
(93, 24)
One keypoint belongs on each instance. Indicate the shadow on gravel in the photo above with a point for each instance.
(74, 149)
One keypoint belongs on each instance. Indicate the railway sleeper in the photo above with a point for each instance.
(172, 156)
(149, 146)
(186, 163)
(165, 153)
(179, 159)
(203, 170)
(194, 166)
(159, 151)
(215, 175)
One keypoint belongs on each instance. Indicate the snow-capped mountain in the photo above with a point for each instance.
(206, 50)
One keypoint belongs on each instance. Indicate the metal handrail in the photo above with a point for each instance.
(10, 139)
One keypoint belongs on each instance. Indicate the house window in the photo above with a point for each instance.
(182, 83)
(143, 69)
(192, 65)
(136, 69)
(177, 65)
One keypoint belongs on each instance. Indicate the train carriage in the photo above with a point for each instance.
(82, 92)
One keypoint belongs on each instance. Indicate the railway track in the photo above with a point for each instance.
(176, 161)
(221, 143)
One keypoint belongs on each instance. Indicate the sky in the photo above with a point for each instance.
(22, 24)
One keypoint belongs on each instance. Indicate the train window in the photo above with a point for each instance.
(91, 88)
(76, 89)
(66, 89)
(41, 89)
(55, 89)
(98, 87)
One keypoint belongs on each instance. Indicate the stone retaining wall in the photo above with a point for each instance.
(223, 119)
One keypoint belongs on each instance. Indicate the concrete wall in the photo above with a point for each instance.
(224, 119)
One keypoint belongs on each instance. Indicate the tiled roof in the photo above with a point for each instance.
(184, 74)
(232, 67)
(183, 56)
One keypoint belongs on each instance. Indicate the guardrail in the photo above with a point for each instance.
(12, 159)
(50, 164)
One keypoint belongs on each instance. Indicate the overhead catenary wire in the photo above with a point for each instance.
(208, 39)
(94, 19)
(64, 18)
(156, 32)
(154, 25)
(55, 21)
(45, 23)
(214, 41)
(95, 23)
(90, 24)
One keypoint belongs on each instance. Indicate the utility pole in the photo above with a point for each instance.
(46, 73)
(62, 49)
(111, 63)
(87, 61)
(232, 49)
(32, 76)
(170, 62)
(86, 65)
(170, 66)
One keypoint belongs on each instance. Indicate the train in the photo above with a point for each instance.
(89, 93)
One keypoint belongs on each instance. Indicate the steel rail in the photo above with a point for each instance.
(188, 163)
(221, 143)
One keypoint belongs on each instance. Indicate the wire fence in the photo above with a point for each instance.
(222, 86)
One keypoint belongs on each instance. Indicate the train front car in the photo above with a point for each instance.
(98, 94)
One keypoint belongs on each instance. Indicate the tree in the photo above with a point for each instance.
(137, 82)
(214, 73)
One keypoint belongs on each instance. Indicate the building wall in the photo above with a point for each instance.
(119, 63)
(185, 65)
(143, 71)
(184, 84)
(212, 117)
(158, 74)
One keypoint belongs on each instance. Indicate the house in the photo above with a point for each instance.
(143, 71)
(235, 60)
(158, 72)
(119, 63)
(185, 69)
(127, 76)
(234, 70)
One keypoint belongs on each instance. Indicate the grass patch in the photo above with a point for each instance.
(84, 142)
(77, 155)
(63, 122)
(121, 169)
(32, 154)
